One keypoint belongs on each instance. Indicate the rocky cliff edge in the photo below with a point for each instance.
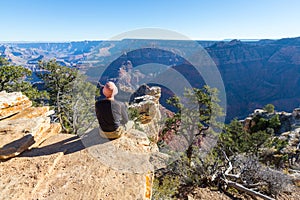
(39, 162)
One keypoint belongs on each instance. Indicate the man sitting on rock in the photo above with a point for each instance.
(111, 114)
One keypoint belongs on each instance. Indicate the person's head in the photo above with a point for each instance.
(110, 90)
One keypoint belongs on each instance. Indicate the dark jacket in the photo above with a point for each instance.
(111, 114)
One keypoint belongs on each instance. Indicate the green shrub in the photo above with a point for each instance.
(269, 108)
(165, 187)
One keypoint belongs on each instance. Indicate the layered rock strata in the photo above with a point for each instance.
(146, 101)
(21, 126)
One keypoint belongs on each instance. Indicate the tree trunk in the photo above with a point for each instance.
(189, 153)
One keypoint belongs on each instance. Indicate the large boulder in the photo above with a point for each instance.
(18, 135)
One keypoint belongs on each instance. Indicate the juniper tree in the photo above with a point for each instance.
(13, 79)
(71, 96)
(198, 110)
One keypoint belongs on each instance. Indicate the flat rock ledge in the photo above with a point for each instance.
(39, 163)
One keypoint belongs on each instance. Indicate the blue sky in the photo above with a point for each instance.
(72, 20)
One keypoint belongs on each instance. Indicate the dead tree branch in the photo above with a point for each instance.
(248, 191)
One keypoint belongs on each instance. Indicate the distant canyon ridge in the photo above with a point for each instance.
(254, 73)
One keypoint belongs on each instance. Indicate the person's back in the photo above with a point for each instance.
(111, 114)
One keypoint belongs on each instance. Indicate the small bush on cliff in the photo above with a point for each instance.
(264, 124)
(260, 141)
(236, 140)
(270, 108)
(165, 187)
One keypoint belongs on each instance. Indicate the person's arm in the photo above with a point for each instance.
(124, 114)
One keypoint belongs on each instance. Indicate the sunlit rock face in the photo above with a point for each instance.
(22, 127)
(146, 101)
(38, 163)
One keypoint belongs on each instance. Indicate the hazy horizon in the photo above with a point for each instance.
(67, 41)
